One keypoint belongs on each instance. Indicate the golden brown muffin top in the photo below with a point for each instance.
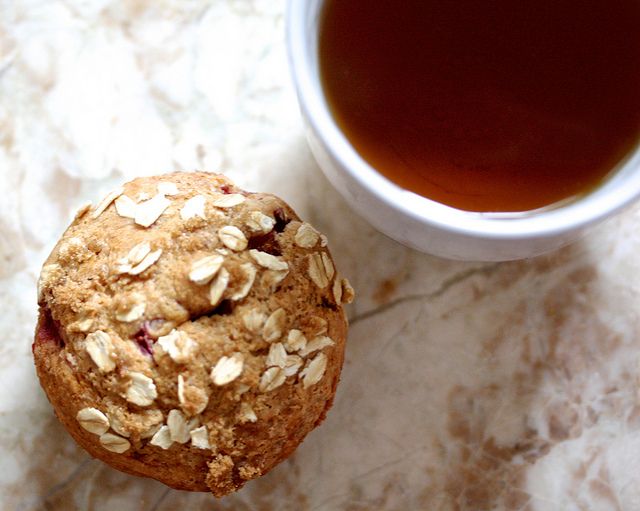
(185, 304)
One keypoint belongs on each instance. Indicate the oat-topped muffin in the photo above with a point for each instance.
(190, 331)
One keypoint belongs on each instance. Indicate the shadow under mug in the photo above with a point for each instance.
(416, 221)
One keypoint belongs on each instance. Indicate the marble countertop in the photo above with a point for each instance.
(466, 386)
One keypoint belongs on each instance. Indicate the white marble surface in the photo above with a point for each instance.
(466, 387)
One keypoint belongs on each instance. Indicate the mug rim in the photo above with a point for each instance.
(554, 220)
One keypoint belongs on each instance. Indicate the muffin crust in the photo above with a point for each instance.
(190, 331)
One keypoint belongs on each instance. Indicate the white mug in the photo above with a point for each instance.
(419, 222)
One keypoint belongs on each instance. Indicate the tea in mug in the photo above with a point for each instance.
(489, 106)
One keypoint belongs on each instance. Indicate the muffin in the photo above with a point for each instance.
(190, 331)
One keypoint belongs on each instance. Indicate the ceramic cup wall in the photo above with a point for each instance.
(421, 223)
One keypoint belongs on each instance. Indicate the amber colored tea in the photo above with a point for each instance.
(501, 105)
